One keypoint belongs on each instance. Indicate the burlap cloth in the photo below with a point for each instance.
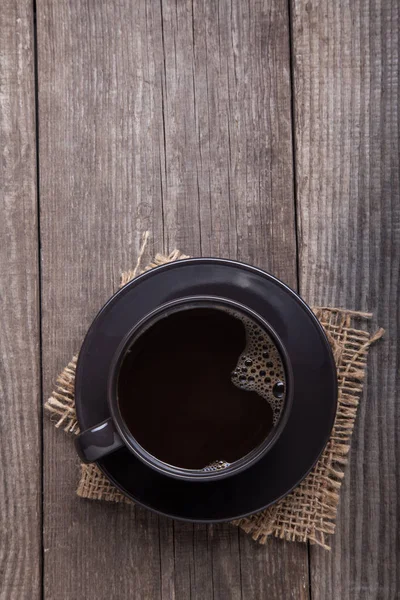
(309, 512)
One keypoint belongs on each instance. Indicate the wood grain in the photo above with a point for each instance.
(228, 170)
(99, 136)
(228, 192)
(346, 75)
(20, 438)
(173, 117)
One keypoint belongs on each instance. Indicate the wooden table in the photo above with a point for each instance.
(266, 131)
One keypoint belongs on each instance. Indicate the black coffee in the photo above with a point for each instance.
(185, 388)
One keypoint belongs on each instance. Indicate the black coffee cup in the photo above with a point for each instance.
(114, 433)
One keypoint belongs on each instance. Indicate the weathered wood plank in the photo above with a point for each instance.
(173, 117)
(100, 137)
(346, 74)
(228, 191)
(228, 181)
(20, 439)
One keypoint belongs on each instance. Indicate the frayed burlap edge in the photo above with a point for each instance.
(309, 512)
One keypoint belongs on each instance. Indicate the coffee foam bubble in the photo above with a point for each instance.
(260, 368)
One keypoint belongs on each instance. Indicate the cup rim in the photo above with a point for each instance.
(163, 311)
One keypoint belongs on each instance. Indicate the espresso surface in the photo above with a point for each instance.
(176, 392)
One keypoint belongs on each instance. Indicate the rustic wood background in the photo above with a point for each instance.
(263, 130)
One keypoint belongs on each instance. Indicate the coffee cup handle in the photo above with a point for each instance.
(98, 441)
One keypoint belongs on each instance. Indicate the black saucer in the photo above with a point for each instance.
(314, 402)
